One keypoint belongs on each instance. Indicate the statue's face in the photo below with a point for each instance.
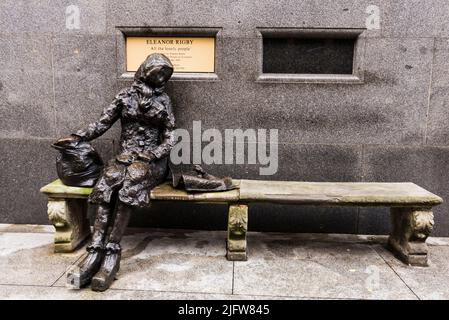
(158, 76)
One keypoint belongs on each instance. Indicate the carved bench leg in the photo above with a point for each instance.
(69, 216)
(410, 229)
(237, 227)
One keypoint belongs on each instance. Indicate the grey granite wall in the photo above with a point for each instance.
(392, 127)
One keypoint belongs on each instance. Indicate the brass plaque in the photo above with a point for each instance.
(188, 54)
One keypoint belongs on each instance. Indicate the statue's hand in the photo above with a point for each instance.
(146, 156)
(70, 138)
(67, 140)
(125, 158)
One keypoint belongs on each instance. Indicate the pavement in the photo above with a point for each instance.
(186, 264)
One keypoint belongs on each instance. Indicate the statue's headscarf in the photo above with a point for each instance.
(152, 61)
(145, 91)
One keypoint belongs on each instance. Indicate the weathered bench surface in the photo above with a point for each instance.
(314, 193)
(337, 193)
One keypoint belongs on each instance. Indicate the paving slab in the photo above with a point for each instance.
(28, 228)
(60, 293)
(178, 261)
(193, 261)
(286, 265)
(10, 292)
(183, 264)
(430, 282)
(28, 259)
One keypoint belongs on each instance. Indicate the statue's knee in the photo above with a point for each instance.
(138, 171)
(112, 175)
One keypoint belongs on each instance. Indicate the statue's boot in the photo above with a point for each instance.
(109, 268)
(111, 263)
(81, 274)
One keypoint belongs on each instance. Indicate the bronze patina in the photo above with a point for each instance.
(147, 136)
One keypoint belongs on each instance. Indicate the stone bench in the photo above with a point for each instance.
(411, 209)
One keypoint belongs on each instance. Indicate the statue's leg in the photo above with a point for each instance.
(81, 274)
(111, 263)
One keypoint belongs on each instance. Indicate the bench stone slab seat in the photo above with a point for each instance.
(411, 209)
(337, 193)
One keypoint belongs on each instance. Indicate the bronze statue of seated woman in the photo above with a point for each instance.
(147, 137)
